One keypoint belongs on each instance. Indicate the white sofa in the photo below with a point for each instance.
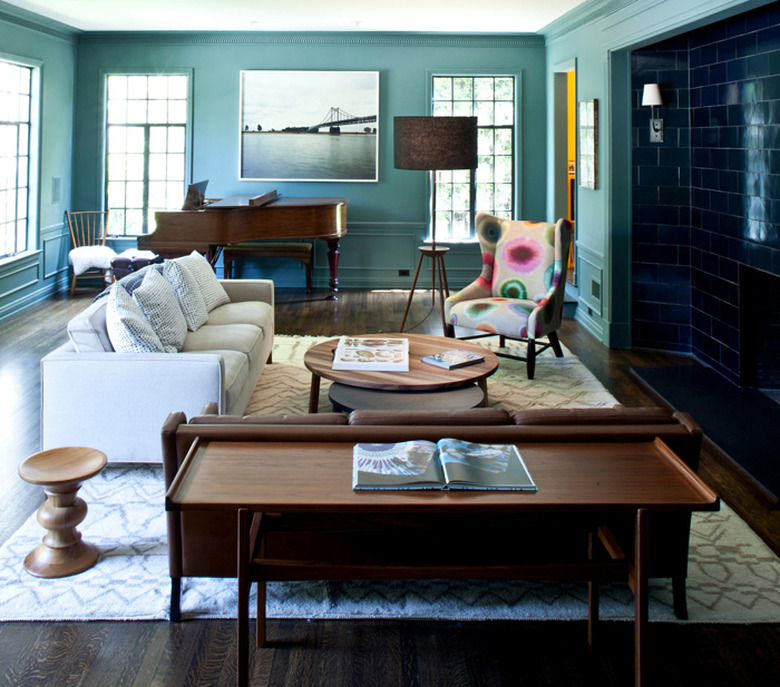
(117, 402)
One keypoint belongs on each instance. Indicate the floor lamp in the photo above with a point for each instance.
(433, 143)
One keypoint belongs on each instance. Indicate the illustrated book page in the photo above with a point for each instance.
(372, 353)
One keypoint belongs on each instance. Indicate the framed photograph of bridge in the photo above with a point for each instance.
(309, 126)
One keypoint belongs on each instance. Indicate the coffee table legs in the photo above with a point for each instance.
(314, 393)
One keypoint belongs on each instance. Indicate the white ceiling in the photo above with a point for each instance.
(448, 16)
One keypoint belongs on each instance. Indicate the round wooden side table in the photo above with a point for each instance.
(60, 471)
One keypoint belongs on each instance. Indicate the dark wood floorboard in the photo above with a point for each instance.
(359, 653)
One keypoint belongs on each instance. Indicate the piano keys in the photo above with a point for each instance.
(233, 220)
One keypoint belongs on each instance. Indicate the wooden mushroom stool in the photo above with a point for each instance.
(60, 471)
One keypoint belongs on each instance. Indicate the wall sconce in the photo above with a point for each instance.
(651, 96)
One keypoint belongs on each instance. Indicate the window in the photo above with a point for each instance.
(16, 124)
(492, 100)
(146, 127)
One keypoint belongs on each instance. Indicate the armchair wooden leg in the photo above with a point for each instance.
(555, 344)
(531, 358)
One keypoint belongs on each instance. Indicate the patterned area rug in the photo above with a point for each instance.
(733, 576)
(558, 383)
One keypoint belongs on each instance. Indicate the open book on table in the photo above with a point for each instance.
(381, 354)
(446, 464)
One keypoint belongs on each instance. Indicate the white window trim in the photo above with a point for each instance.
(102, 138)
(517, 152)
(34, 167)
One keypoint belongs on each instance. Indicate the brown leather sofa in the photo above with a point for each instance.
(203, 544)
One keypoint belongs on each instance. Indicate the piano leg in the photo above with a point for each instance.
(333, 264)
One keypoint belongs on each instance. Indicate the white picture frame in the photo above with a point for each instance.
(309, 126)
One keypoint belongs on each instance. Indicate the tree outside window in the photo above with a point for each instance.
(492, 100)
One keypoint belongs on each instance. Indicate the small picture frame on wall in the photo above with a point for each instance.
(309, 126)
(588, 143)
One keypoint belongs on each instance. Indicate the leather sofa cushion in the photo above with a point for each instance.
(616, 415)
(475, 416)
(281, 419)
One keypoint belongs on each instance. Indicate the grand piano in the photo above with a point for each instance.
(245, 218)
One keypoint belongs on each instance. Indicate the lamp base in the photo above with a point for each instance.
(436, 253)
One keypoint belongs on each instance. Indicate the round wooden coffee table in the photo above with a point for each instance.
(421, 377)
(60, 471)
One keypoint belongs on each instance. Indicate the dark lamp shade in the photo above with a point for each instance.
(435, 143)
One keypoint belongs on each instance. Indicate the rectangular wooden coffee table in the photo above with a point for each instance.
(310, 524)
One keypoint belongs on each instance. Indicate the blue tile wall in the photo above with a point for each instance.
(707, 199)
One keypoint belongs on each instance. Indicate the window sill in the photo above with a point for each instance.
(19, 257)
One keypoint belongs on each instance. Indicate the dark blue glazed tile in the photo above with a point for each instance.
(746, 45)
(760, 256)
(675, 314)
(736, 70)
(645, 233)
(757, 65)
(674, 195)
(674, 274)
(769, 39)
(717, 72)
(719, 157)
(770, 87)
(726, 51)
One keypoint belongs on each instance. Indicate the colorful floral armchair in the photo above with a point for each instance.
(519, 293)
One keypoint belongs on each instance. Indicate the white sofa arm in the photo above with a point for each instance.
(118, 402)
(249, 290)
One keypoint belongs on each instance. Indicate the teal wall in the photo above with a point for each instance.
(36, 274)
(598, 37)
(386, 221)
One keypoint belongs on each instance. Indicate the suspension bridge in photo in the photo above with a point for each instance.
(336, 118)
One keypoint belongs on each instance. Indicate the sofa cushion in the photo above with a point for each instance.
(244, 338)
(236, 374)
(616, 415)
(87, 330)
(212, 291)
(473, 416)
(243, 312)
(159, 304)
(281, 419)
(128, 328)
(187, 292)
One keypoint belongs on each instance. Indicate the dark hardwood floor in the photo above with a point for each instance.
(360, 653)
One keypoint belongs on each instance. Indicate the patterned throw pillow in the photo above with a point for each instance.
(212, 291)
(187, 293)
(158, 303)
(128, 329)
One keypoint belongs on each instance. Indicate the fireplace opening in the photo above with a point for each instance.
(759, 330)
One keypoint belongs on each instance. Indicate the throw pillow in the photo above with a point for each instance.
(158, 303)
(128, 329)
(187, 293)
(212, 291)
